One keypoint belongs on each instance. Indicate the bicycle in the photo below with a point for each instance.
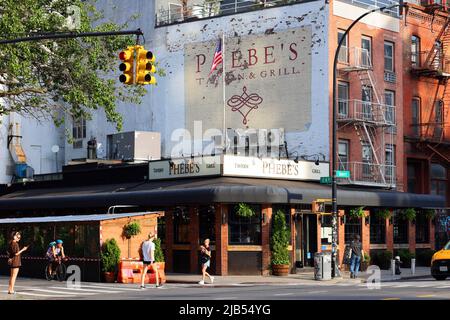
(59, 272)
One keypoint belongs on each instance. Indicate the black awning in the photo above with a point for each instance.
(206, 191)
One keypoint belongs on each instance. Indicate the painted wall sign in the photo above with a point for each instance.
(273, 168)
(268, 81)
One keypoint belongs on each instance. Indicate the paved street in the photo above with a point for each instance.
(426, 288)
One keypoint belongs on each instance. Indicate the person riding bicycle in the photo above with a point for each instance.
(55, 253)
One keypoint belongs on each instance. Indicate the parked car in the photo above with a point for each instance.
(440, 263)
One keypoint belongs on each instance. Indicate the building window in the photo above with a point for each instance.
(181, 222)
(366, 52)
(79, 129)
(415, 51)
(343, 53)
(390, 160)
(439, 180)
(389, 98)
(415, 113)
(366, 97)
(422, 228)
(389, 56)
(343, 154)
(343, 99)
(366, 158)
(377, 229)
(438, 119)
(400, 228)
(437, 62)
(207, 223)
(415, 176)
(352, 228)
(243, 230)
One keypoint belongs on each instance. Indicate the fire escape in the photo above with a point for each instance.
(435, 64)
(373, 121)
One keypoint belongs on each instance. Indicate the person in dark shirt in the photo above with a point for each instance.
(14, 260)
(357, 255)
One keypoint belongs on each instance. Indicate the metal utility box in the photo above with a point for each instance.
(322, 266)
(134, 146)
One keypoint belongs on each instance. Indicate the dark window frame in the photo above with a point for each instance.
(237, 226)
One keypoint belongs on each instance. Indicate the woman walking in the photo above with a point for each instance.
(205, 259)
(14, 260)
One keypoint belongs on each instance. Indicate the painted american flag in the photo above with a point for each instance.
(217, 56)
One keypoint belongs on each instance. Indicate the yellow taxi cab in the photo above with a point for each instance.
(440, 263)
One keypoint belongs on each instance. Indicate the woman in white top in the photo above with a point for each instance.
(148, 259)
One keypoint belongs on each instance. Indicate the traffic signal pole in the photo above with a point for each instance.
(334, 211)
(72, 35)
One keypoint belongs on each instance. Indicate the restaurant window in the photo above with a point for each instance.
(377, 229)
(389, 56)
(343, 53)
(415, 51)
(400, 228)
(161, 229)
(352, 227)
(287, 216)
(244, 230)
(366, 53)
(415, 114)
(439, 180)
(422, 228)
(326, 228)
(343, 154)
(181, 222)
(207, 223)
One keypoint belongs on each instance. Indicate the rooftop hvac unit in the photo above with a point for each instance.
(134, 146)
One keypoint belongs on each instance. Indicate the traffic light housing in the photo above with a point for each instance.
(127, 66)
(145, 66)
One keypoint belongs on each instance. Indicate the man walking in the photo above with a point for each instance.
(355, 259)
(148, 259)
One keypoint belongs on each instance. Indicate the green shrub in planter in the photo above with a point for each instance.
(423, 257)
(430, 214)
(159, 255)
(409, 214)
(131, 229)
(245, 211)
(110, 255)
(2, 243)
(280, 240)
(405, 257)
(383, 214)
(357, 212)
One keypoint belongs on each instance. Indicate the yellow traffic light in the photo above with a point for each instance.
(145, 67)
(127, 66)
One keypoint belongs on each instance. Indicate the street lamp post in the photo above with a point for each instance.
(334, 136)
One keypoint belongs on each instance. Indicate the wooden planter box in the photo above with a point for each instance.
(109, 277)
(280, 269)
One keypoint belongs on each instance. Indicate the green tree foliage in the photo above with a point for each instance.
(58, 78)
(280, 240)
(131, 229)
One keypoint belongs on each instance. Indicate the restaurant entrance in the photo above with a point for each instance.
(305, 239)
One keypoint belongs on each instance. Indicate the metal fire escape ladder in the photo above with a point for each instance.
(433, 60)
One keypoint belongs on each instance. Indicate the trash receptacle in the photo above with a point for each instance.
(322, 266)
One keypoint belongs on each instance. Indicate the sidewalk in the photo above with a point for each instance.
(386, 276)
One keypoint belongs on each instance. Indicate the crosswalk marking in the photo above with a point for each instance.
(283, 294)
(110, 287)
(41, 295)
(52, 291)
(443, 287)
(86, 290)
